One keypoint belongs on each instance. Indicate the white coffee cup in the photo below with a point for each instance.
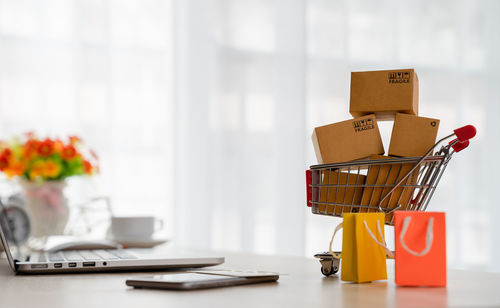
(134, 228)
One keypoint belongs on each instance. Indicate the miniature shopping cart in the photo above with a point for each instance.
(379, 185)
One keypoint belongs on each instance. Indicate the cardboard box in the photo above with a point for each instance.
(388, 175)
(412, 135)
(384, 93)
(343, 195)
(347, 140)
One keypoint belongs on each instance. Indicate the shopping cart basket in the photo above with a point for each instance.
(379, 185)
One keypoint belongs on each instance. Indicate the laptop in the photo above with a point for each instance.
(100, 260)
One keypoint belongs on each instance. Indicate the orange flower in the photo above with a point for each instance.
(58, 146)
(36, 170)
(51, 169)
(4, 162)
(46, 148)
(6, 152)
(30, 147)
(74, 139)
(45, 159)
(68, 152)
(87, 166)
(16, 169)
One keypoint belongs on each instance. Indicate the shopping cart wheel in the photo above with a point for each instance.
(329, 264)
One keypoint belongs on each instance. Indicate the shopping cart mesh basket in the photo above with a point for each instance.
(384, 184)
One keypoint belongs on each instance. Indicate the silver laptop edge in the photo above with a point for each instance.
(150, 262)
(6, 248)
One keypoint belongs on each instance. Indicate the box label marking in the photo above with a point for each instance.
(363, 125)
(399, 77)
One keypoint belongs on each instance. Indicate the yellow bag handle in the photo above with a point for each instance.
(335, 254)
(382, 243)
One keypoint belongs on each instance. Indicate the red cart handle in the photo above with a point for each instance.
(465, 133)
(457, 145)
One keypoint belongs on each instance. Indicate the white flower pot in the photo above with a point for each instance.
(47, 207)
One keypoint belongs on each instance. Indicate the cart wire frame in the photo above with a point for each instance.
(406, 183)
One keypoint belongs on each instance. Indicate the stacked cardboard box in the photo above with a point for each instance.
(375, 96)
(348, 194)
(347, 140)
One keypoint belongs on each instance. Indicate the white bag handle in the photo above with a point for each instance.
(429, 237)
(337, 228)
(383, 243)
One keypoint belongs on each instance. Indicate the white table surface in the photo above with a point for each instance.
(301, 285)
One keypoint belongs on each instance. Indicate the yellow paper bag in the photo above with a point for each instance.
(363, 247)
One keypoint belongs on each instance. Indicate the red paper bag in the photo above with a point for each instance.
(420, 257)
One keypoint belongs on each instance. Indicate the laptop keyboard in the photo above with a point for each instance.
(72, 256)
(122, 254)
(86, 255)
(106, 255)
(89, 255)
(55, 257)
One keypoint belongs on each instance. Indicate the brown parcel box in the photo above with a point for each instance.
(412, 135)
(384, 93)
(388, 175)
(347, 140)
(342, 195)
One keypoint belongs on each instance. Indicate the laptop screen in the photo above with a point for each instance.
(4, 230)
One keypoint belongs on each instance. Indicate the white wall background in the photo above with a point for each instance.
(202, 110)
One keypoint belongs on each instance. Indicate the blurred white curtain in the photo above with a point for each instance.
(257, 76)
(202, 110)
(101, 69)
(241, 113)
